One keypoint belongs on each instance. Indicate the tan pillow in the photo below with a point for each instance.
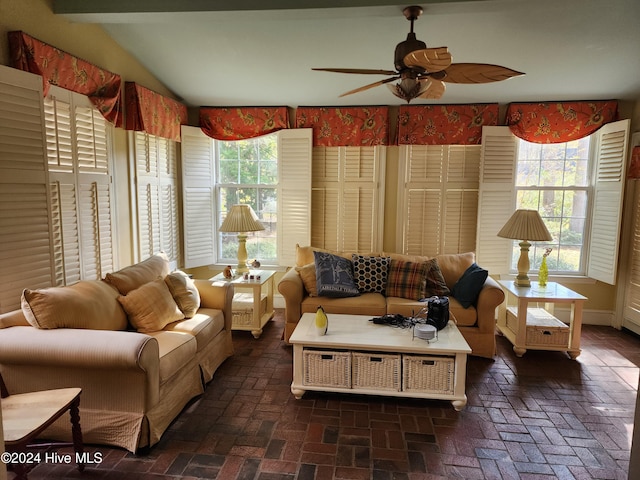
(308, 277)
(134, 276)
(184, 292)
(151, 307)
(87, 304)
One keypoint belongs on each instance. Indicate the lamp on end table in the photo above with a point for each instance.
(241, 219)
(525, 225)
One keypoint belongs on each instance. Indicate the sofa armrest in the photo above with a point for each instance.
(293, 292)
(71, 353)
(217, 295)
(490, 297)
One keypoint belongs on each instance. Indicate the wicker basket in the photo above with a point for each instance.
(323, 368)
(428, 374)
(546, 330)
(376, 371)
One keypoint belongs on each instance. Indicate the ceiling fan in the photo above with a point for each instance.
(424, 71)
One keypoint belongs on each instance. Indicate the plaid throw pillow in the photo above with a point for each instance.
(435, 280)
(370, 273)
(406, 279)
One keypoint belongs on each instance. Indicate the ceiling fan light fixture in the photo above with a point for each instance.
(409, 88)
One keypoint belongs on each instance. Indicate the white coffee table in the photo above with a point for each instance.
(358, 356)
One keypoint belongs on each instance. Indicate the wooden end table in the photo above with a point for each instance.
(260, 288)
(528, 321)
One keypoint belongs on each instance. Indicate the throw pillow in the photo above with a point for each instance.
(334, 276)
(308, 276)
(406, 279)
(184, 292)
(134, 276)
(467, 288)
(88, 304)
(370, 273)
(151, 307)
(436, 284)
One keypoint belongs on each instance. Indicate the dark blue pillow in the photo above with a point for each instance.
(334, 276)
(468, 286)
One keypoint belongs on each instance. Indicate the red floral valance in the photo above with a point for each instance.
(346, 126)
(558, 122)
(64, 70)
(444, 124)
(240, 123)
(155, 114)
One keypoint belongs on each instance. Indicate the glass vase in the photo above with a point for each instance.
(543, 275)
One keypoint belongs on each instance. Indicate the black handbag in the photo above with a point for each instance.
(438, 312)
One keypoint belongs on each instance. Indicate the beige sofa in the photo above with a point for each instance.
(138, 366)
(476, 323)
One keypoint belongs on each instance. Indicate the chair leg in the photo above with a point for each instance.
(76, 432)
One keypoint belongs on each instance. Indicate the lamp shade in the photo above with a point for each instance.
(241, 218)
(525, 225)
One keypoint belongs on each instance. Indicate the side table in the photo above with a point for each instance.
(528, 321)
(251, 311)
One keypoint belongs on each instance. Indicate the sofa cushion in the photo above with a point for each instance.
(435, 283)
(334, 276)
(453, 266)
(204, 326)
(184, 292)
(176, 350)
(87, 304)
(134, 276)
(151, 307)
(370, 273)
(308, 276)
(406, 279)
(467, 288)
(373, 304)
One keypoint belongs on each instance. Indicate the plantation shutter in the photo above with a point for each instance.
(611, 154)
(25, 257)
(496, 200)
(439, 198)
(62, 183)
(198, 197)
(294, 192)
(94, 191)
(156, 194)
(347, 198)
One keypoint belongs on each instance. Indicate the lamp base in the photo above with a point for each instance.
(242, 266)
(522, 280)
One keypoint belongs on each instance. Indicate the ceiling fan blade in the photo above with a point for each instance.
(431, 59)
(371, 85)
(477, 73)
(357, 70)
(434, 91)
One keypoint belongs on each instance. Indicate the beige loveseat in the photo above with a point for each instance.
(126, 342)
(476, 322)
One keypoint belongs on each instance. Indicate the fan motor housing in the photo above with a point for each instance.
(411, 44)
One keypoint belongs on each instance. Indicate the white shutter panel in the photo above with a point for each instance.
(198, 198)
(25, 257)
(294, 192)
(325, 198)
(168, 178)
(94, 193)
(496, 200)
(607, 205)
(148, 210)
(632, 293)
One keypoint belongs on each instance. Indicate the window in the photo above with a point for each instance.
(554, 179)
(215, 176)
(438, 198)
(248, 173)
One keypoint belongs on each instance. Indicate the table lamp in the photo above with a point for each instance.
(525, 225)
(241, 219)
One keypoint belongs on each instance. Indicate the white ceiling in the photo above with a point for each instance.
(569, 49)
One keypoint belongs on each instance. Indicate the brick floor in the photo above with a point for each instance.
(542, 416)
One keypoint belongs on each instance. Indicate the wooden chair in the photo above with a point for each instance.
(27, 415)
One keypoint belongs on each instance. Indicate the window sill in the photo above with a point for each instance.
(575, 279)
